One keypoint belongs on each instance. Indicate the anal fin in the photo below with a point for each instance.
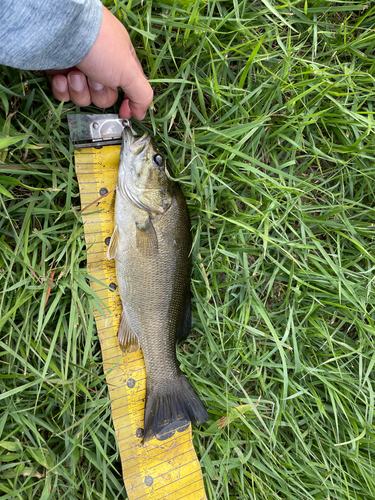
(127, 338)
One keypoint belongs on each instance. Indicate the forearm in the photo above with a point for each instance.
(47, 34)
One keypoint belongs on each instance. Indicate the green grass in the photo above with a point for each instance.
(265, 110)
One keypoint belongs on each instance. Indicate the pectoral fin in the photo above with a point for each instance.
(113, 245)
(127, 338)
(147, 241)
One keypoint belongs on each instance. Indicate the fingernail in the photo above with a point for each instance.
(95, 85)
(60, 84)
(77, 82)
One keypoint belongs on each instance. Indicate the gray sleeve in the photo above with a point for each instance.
(47, 34)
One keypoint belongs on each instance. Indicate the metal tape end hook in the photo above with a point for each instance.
(127, 123)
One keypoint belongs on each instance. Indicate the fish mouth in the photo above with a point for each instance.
(127, 140)
(130, 148)
(130, 164)
(138, 147)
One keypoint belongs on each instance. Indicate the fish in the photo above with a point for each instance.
(151, 245)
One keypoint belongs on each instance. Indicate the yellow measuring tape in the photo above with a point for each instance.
(158, 469)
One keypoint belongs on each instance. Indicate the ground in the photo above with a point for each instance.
(265, 111)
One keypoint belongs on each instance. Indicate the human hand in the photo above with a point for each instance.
(111, 63)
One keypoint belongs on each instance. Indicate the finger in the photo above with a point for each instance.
(139, 92)
(125, 112)
(60, 89)
(78, 88)
(101, 95)
(135, 57)
(52, 72)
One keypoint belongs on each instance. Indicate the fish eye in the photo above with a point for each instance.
(158, 159)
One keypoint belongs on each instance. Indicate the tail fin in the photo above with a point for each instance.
(170, 406)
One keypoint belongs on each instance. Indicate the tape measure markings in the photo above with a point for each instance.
(126, 378)
(100, 252)
(123, 376)
(115, 356)
(121, 407)
(163, 455)
(164, 452)
(112, 345)
(159, 462)
(92, 223)
(115, 396)
(193, 495)
(128, 414)
(176, 471)
(120, 389)
(110, 328)
(182, 481)
(150, 470)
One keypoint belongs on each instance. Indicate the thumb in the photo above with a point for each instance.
(138, 92)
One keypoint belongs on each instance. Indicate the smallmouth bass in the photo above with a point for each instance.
(151, 244)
